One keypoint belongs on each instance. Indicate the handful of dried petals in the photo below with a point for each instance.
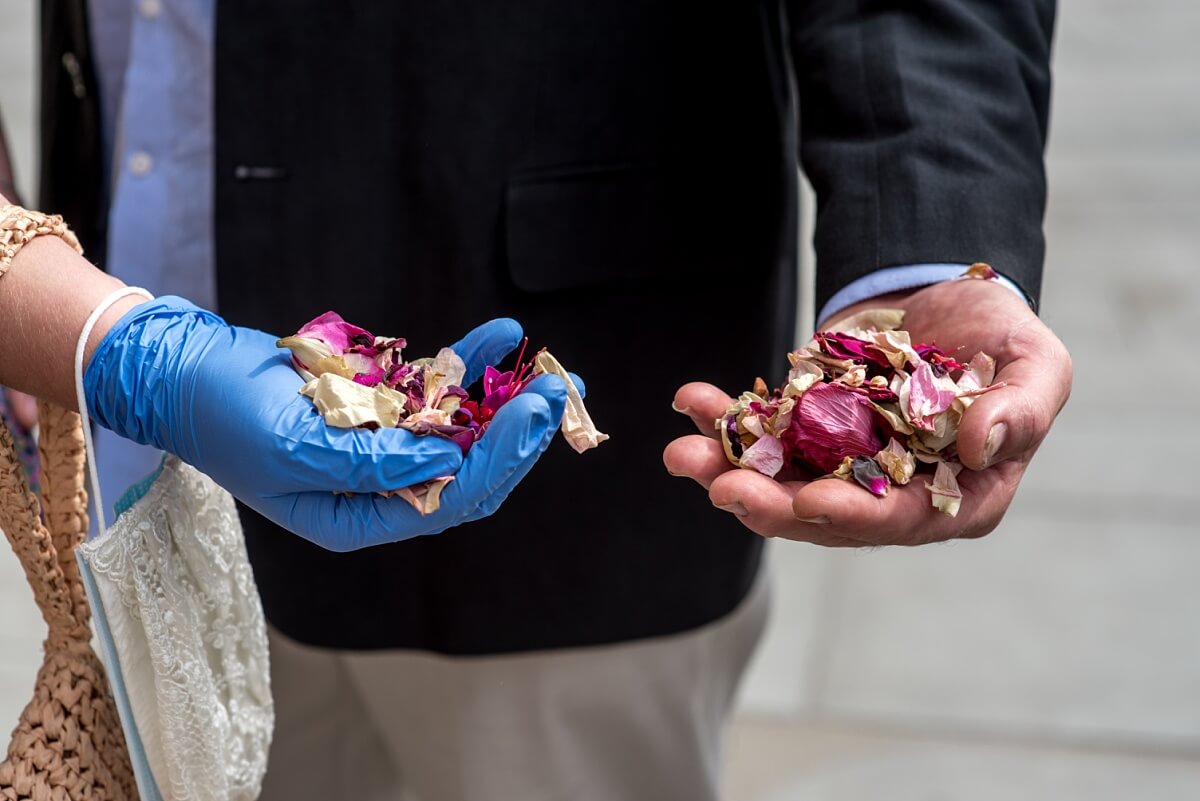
(864, 404)
(356, 379)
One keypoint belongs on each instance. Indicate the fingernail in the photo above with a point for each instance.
(994, 441)
(735, 507)
(820, 520)
(681, 410)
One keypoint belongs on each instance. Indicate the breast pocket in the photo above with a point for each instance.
(587, 226)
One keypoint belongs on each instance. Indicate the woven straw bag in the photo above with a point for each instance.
(68, 743)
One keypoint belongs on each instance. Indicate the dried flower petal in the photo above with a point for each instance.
(346, 404)
(450, 366)
(577, 426)
(978, 375)
(830, 422)
(765, 456)
(946, 495)
(336, 333)
(860, 324)
(897, 462)
(426, 498)
(897, 346)
(927, 398)
(868, 474)
(981, 270)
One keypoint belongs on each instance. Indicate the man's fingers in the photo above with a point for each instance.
(764, 506)
(698, 458)
(702, 402)
(1013, 420)
(906, 516)
(839, 513)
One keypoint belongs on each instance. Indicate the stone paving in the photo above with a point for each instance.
(1058, 658)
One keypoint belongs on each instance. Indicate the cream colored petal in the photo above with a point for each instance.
(345, 404)
(800, 384)
(783, 416)
(944, 491)
(433, 417)
(752, 423)
(868, 320)
(451, 366)
(980, 372)
(577, 425)
(425, 498)
(307, 352)
(726, 444)
(897, 347)
(805, 368)
(856, 376)
(897, 462)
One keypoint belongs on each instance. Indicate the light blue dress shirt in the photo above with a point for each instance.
(153, 62)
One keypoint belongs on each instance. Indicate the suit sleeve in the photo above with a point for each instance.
(923, 126)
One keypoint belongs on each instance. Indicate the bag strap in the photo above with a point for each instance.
(21, 520)
(64, 497)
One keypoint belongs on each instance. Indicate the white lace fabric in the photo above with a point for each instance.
(178, 598)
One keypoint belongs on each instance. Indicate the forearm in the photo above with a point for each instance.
(45, 297)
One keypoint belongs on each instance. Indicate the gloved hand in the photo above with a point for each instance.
(224, 399)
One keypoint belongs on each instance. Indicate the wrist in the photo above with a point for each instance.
(105, 323)
(139, 367)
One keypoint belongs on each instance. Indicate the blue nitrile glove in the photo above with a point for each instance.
(225, 400)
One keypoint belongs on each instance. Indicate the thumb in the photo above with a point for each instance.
(1011, 422)
(486, 345)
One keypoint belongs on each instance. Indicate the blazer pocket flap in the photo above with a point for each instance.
(586, 227)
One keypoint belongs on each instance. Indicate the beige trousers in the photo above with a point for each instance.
(629, 722)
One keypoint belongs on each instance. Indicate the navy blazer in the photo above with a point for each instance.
(619, 176)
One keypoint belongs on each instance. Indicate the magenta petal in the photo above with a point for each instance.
(335, 332)
(941, 361)
(496, 398)
(844, 346)
(830, 423)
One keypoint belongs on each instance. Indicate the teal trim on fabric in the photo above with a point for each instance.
(138, 490)
(147, 787)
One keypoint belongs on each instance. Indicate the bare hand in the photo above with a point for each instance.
(998, 436)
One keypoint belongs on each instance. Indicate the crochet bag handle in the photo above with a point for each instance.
(68, 743)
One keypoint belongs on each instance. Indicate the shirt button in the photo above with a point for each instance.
(140, 163)
(151, 8)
